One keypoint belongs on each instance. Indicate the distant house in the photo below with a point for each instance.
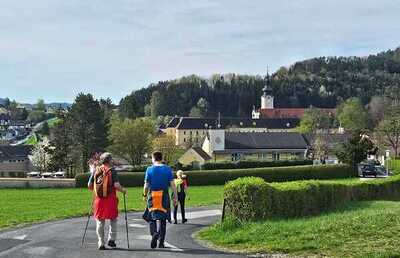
(232, 146)
(14, 161)
(195, 156)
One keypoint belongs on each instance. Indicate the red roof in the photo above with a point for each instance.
(290, 112)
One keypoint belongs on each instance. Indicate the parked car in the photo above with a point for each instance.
(371, 168)
(47, 175)
(59, 174)
(33, 174)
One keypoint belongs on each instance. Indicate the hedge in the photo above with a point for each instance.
(252, 198)
(220, 177)
(255, 164)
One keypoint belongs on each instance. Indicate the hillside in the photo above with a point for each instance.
(321, 82)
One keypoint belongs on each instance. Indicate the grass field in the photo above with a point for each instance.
(360, 229)
(32, 140)
(20, 206)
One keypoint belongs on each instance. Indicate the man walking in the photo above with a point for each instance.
(104, 182)
(158, 179)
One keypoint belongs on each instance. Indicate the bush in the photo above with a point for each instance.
(255, 164)
(220, 177)
(252, 199)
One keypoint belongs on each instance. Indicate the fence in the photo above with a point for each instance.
(393, 165)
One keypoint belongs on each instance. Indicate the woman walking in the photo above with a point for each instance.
(181, 186)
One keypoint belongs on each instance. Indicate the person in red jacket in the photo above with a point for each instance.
(105, 184)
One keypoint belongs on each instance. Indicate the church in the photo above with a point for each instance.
(268, 111)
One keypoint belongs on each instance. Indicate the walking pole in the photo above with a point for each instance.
(126, 223)
(87, 222)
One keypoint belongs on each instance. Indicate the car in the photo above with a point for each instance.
(47, 175)
(33, 174)
(59, 174)
(371, 169)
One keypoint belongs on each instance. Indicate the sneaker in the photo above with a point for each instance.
(112, 244)
(154, 241)
(102, 247)
(175, 222)
(184, 221)
(161, 245)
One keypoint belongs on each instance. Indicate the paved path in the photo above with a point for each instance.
(63, 239)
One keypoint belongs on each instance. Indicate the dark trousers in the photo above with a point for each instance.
(161, 230)
(181, 200)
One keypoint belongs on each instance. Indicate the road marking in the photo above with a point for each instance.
(201, 214)
(137, 225)
(22, 237)
(171, 247)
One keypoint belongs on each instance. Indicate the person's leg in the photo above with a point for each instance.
(176, 214)
(182, 203)
(163, 231)
(153, 233)
(100, 232)
(112, 235)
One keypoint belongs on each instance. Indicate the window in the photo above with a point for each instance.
(184, 132)
(184, 139)
(197, 132)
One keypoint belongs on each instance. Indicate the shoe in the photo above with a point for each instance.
(184, 221)
(102, 247)
(161, 245)
(154, 241)
(175, 222)
(111, 243)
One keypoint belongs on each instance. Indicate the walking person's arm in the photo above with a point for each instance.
(117, 185)
(173, 186)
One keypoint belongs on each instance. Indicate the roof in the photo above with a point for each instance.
(265, 140)
(8, 152)
(201, 153)
(290, 112)
(4, 117)
(189, 123)
(173, 122)
(331, 138)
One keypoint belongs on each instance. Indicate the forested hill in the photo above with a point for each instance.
(320, 82)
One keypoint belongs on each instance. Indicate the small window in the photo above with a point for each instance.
(184, 139)
(184, 132)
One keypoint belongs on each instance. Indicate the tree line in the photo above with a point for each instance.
(320, 82)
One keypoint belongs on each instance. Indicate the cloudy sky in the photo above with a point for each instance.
(54, 49)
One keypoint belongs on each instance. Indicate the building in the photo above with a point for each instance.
(195, 156)
(233, 146)
(267, 109)
(14, 161)
(331, 141)
(191, 131)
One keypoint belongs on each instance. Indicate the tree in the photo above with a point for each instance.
(45, 130)
(40, 105)
(320, 147)
(377, 107)
(129, 108)
(36, 116)
(388, 131)
(201, 109)
(166, 144)
(87, 129)
(357, 149)
(352, 115)
(42, 155)
(156, 104)
(314, 119)
(131, 139)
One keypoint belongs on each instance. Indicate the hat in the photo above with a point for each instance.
(105, 158)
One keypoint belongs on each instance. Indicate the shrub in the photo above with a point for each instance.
(220, 177)
(255, 164)
(252, 199)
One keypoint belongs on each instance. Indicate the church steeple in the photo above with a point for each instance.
(267, 100)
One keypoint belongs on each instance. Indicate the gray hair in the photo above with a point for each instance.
(105, 158)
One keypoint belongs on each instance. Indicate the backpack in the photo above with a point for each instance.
(102, 182)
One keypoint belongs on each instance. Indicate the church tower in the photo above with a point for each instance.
(267, 100)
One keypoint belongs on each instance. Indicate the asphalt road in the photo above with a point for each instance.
(63, 239)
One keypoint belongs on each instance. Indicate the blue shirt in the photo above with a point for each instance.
(158, 177)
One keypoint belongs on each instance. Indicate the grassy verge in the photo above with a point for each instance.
(32, 140)
(360, 229)
(19, 206)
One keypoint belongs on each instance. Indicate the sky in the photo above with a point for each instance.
(54, 49)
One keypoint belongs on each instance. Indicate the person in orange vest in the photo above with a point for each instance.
(158, 179)
(105, 184)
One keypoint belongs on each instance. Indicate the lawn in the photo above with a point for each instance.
(20, 206)
(32, 140)
(359, 229)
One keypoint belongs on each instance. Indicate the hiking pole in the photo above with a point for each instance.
(87, 222)
(126, 223)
